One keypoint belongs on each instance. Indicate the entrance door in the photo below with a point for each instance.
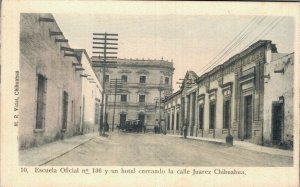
(172, 125)
(212, 113)
(248, 117)
(122, 119)
(226, 114)
(177, 120)
(201, 117)
(65, 110)
(142, 118)
(277, 123)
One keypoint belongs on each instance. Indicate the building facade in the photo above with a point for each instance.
(239, 97)
(52, 83)
(279, 100)
(143, 82)
(91, 94)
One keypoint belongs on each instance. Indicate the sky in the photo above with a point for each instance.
(190, 41)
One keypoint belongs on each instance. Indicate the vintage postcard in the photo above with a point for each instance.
(98, 93)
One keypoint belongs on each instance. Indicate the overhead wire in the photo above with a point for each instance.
(262, 34)
(254, 19)
(267, 30)
(234, 42)
(237, 43)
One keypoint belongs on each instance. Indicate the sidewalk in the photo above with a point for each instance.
(37, 156)
(244, 145)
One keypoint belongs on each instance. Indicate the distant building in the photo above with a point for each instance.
(144, 82)
(251, 94)
(56, 84)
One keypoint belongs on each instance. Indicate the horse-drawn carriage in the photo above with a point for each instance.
(132, 126)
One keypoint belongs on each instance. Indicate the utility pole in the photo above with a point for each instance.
(104, 43)
(160, 89)
(116, 84)
(159, 121)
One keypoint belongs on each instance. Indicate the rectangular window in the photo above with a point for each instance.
(65, 110)
(212, 115)
(123, 98)
(142, 98)
(41, 102)
(106, 78)
(124, 78)
(142, 79)
(226, 114)
(201, 117)
(167, 80)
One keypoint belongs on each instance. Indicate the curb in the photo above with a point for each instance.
(241, 146)
(201, 140)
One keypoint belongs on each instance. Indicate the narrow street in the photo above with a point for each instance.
(132, 149)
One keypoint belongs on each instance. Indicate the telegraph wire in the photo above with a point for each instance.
(253, 20)
(266, 30)
(234, 46)
(233, 42)
(236, 41)
(271, 27)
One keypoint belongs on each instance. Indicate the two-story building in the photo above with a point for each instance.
(144, 83)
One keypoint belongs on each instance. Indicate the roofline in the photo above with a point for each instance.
(234, 58)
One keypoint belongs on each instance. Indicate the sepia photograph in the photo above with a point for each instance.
(172, 91)
(233, 110)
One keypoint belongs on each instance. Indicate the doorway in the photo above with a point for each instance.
(248, 117)
(201, 117)
(177, 120)
(212, 115)
(226, 114)
(277, 123)
(122, 119)
(65, 111)
(141, 117)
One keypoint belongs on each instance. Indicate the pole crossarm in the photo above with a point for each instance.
(113, 39)
(105, 48)
(101, 52)
(107, 34)
(104, 43)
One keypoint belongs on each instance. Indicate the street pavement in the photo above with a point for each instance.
(133, 149)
